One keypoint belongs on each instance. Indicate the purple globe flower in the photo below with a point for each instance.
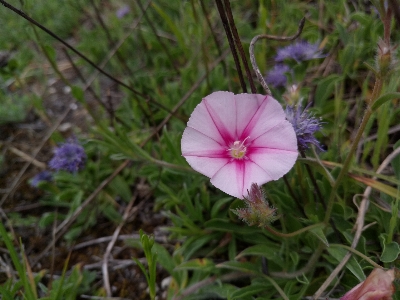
(42, 176)
(277, 76)
(305, 126)
(299, 51)
(70, 157)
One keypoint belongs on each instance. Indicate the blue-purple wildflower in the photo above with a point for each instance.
(70, 157)
(305, 126)
(42, 176)
(299, 51)
(277, 76)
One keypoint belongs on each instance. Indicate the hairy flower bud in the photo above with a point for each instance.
(257, 211)
(384, 57)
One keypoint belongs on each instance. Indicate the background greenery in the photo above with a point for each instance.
(175, 53)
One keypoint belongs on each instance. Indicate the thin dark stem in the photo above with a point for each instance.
(231, 43)
(239, 45)
(205, 12)
(26, 17)
(264, 266)
(270, 37)
(139, 2)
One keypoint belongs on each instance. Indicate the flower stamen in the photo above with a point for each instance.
(238, 149)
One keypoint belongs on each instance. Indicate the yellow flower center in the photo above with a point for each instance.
(238, 149)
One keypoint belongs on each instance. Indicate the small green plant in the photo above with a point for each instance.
(150, 273)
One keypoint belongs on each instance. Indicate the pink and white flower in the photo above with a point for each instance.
(237, 140)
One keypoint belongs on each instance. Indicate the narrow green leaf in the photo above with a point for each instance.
(246, 267)
(248, 291)
(6, 294)
(353, 265)
(199, 264)
(387, 189)
(271, 252)
(172, 25)
(16, 261)
(164, 258)
(325, 88)
(396, 162)
(217, 206)
(384, 98)
(319, 233)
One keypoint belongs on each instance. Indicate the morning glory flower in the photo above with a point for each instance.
(237, 140)
(70, 157)
(277, 76)
(299, 51)
(378, 285)
(42, 176)
(305, 125)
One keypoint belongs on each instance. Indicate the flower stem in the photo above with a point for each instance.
(346, 165)
(294, 233)
(366, 258)
(228, 33)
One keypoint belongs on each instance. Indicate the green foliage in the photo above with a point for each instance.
(27, 286)
(209, 253)
(151, 257)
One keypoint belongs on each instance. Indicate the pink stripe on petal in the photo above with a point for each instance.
(222, 109)
(247, 105)
(195, 141)
(281, 136)
(269, 114)
(255, 174)
(229, 179)
(202, 122)
(205, 165)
